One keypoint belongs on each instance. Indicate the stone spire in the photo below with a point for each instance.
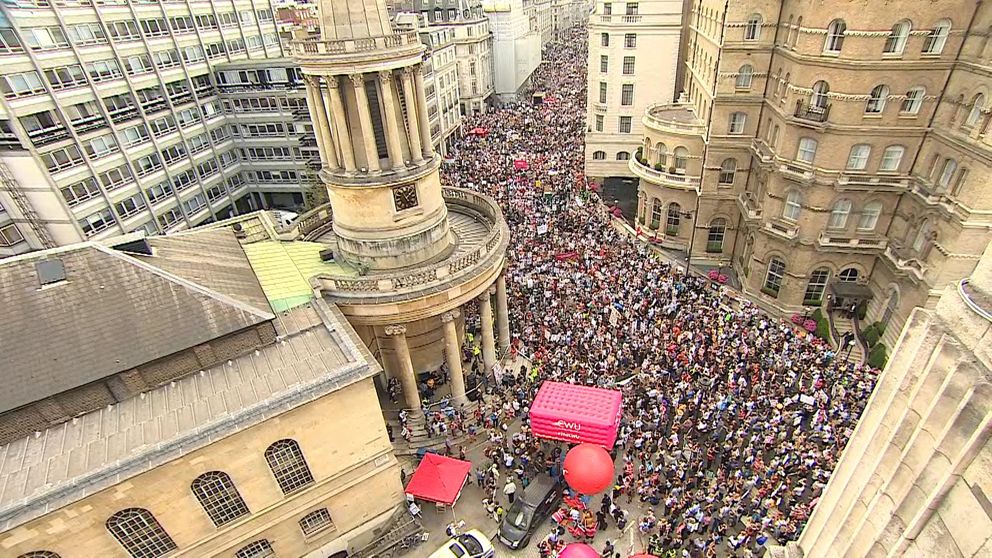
(353, 19)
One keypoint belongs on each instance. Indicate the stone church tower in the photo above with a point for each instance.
(916, 477)
(411, 252)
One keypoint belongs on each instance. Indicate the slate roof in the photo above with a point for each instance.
(115, 311)
(316, 354)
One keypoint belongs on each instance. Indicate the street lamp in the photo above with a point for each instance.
(692, 237)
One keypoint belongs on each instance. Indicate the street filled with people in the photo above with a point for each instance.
(733, 419)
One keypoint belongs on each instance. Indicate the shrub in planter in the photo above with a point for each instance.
(671, 170)
(862, 310)
(797, 319)
(879, 327)
(817, 314)
(822, 330)
(878, 356)
(659, 167)
(809, 325)
(721, 279)
(871, 335)
(713, 274)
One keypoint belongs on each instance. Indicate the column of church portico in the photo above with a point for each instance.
(404, 366)
(365, 120)
(393, 144)
(488, 339)
(502, 313)
(453, 356)
(342, 134)
(322, 129)
(412, 122)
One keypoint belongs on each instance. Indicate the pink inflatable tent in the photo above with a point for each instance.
(574, 413)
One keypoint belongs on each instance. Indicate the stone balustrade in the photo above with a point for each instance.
(318, 221)
(353, 46)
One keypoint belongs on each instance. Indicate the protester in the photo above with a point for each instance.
(733, 420)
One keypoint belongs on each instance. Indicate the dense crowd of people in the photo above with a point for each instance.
(733, 420)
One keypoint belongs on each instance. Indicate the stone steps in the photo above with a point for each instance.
(857, 355)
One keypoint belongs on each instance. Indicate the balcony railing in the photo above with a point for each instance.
(905, 260)
(663, 177)
(749, 206)
(409, 283)
(673, 118)
(45, 136)
(849, 181)
(783, 229)
(853, 243)
(353, 46)
(812, 112)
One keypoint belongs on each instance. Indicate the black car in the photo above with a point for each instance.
(539, 500)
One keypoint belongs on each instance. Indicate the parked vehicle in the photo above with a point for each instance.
(472, 544)
(539, 500)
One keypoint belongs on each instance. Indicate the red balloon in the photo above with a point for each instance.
(578, 550)
(588, 469)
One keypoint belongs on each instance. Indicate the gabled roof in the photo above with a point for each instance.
(115, 311)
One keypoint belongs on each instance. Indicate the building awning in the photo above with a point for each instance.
(439, 479)
(851, 290)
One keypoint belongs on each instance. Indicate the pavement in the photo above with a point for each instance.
(469, 509)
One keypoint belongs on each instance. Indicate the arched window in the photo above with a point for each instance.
(39, 554)
(737, 120)
(655, 213)
(807, 150)
(674, 219)
(849, 275)
(785, 87)
(835, 36)
(869, 216)
(219, 497)
(598, 155)
(816, 286)
(774, 277)
(858, 158)
(818, 100)
(140, 533)
(935, 41)
(896, 41)
(623, 156)
(891, 158)
(947, 173)
(913, 101)
(315, 521)
(288, 466)
(876, 99)
(752, 31)
(716, 235)
(977, 104)
(681, 155)
(662, 151)
(788, 31)
(775, 136)
(256, 549)
(744, 76)
(839, 214)
(793, 205)
(728, 170)
(799, 28)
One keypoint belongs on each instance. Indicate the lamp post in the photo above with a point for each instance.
(692, 237)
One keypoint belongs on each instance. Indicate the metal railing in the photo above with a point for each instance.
(812, 112)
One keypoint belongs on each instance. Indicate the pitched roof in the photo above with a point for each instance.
(284, 270)
(316, 355)
(113, 312)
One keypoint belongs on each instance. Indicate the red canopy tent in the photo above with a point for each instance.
(574, 413)
(439, 479)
